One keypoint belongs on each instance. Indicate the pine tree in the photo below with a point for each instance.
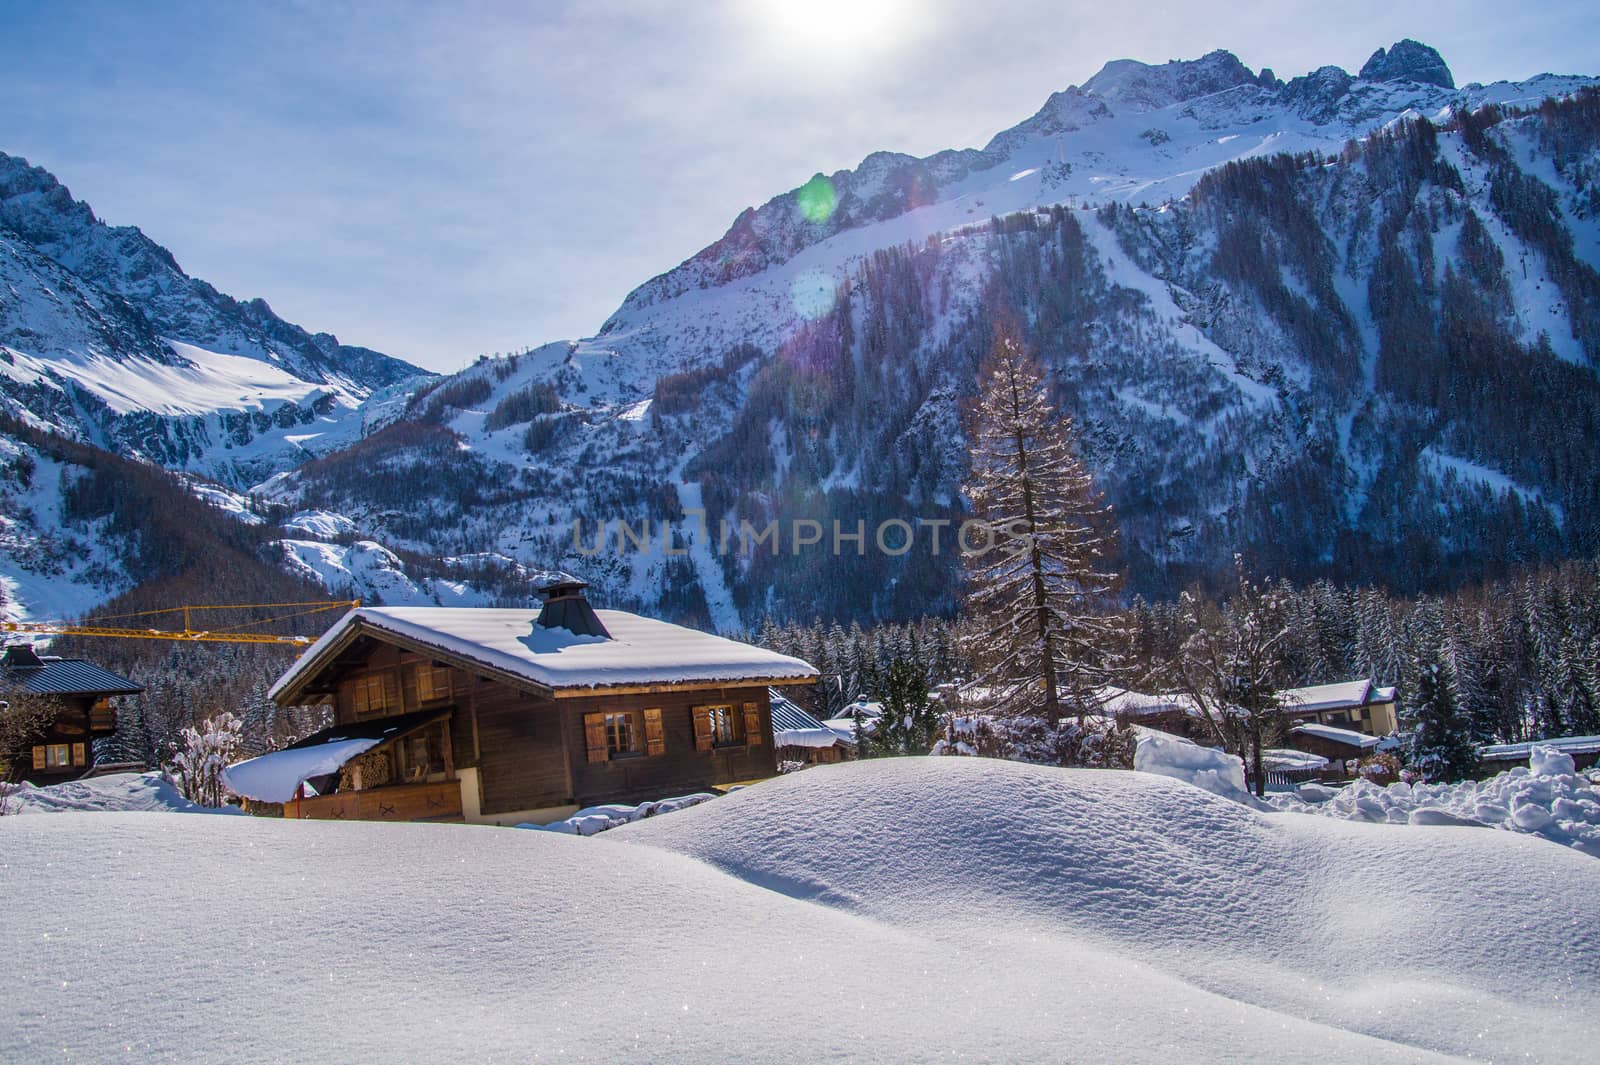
(1039, 640)
(910, 723)
(1436, 717)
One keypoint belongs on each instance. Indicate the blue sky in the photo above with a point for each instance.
(437, 181)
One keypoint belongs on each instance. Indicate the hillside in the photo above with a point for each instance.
(1015, 913)
(1345, 324)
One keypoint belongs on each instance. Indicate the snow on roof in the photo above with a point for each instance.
(277, 776)
(640, 650)
(1278, 758)
(1140, 704)
(1335, 696)
(1517, 752)
(1337, 735)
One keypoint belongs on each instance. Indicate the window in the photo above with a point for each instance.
(433, 682)
(726, 725)
(726, 728)
(369, 694)
(623, 734)
(57, 755)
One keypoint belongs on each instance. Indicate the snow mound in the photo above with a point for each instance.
(1205, 767)
(593, 819)
(994, 911)
(1202, 889)
(116, 792)
(1545, 798)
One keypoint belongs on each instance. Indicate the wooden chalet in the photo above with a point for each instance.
(81, 693)
(509, 716)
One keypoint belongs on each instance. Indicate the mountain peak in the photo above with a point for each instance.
(1147, 86)
(1408, 61)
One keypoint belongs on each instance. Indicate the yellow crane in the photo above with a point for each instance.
(227, 634)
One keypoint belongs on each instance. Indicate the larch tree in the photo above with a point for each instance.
(1038, 634)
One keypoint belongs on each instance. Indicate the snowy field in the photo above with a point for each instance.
(895, 910)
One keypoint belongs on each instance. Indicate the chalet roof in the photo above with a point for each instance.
(793, 727)
(277, 776)
(1348, 737)
(61, 676)
(640, 651)
(1341, 696)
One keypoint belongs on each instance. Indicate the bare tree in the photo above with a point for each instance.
(1231, 664)
(24, 720)
(1040, 636)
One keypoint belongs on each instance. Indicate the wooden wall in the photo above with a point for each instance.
(680, 768)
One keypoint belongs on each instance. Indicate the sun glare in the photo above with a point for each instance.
(835, 30)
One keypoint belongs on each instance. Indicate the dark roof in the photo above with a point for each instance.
(787, 715)
(379, 728)
(65, 676)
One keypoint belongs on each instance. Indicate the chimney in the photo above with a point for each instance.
(566, 607)
(21, 656)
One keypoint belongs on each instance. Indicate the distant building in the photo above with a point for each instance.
(81, 692)
(506, 716)
(1497, 758)
(800, 737)
(1357, 705)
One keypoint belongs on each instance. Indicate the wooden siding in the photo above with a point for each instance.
(522, 763)
(440, 801)
(679, 768)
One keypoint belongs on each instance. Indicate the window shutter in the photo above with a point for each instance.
(79, 755)
(655, 740)
(702, 728)
(594, 735)
(38, 758)
(752, 724)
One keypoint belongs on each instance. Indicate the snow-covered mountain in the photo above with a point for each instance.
(103, 337)
(1346, 324)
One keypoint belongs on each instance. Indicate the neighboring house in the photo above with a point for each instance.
(862, 712)
(800, 737)
(1358, 705)
(1169, 712)
(81, 692)
(1497, 758)
(1338, 745)
(506, 716)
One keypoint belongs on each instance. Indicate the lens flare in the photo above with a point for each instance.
(811, 294)
(816, 199)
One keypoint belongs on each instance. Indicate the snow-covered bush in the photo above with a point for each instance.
(202, 754)
(1380, 768)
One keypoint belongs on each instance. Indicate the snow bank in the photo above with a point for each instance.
(592, 819)
(998, 912)
(1200, 892)
(1205, 767)
(147, 792)
(1545, 798)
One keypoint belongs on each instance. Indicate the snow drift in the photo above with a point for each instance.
(1546, 798)
(978, 909)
